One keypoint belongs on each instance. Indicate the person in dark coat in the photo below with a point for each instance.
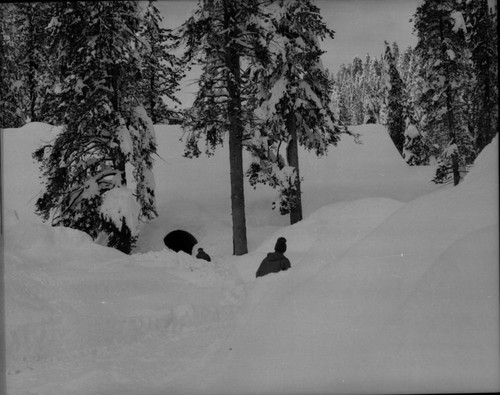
(203, 255)
(275, 261)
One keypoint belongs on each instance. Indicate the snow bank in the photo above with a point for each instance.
(447, 328)
(330, 232)
(68, 297)
(412, 306)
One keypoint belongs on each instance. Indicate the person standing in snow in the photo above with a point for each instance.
(203, 255)
(275, 261)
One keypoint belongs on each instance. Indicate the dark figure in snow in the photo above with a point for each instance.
(180, 240)
(203, 255)
(275, 261)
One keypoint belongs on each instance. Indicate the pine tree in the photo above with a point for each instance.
(480, 27)
(357, 108)
(359, 91)
(394, 99)
(446, 75)
(373, 91)
(415, 149)
(161, 70)
(24, 61)
(106, 132)
(294, 106)
(343, 86)
(8, 114)
(408, 67)
(227, 38)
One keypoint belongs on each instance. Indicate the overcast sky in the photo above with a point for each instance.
(360, 26)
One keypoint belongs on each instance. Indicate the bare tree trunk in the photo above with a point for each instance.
(232, 61)
(292, 154)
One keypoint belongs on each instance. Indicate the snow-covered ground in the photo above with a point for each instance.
(393, 287)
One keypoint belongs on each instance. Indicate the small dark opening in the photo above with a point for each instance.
(180, 240)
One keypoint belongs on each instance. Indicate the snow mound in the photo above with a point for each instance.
(450, 321)
(348, 327)
(330, 231)
(68, 297)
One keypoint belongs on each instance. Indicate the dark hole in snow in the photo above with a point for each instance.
(180, 240)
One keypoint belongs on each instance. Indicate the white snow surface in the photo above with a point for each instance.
(393, 286)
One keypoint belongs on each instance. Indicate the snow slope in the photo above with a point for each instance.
(393, 286)
(412, 306)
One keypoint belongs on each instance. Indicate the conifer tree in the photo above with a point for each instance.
(394, 98)
(8, 114)
(226, 37)
(480, 28)
(373, 91)
(445, 71)
(359, 92)
(343, 86)
(408, 67)
(161, 68)
(24, 61)
(415, 149)
(294, 106)
(106, 145)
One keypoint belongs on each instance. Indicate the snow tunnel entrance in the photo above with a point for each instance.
(180, 240)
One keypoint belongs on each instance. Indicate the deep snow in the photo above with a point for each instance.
(393, 286)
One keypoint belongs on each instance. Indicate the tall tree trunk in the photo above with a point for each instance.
(292, 154)
(453, 137)
(236, 172)
(232, 61)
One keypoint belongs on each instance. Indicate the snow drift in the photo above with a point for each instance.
(393, 286)
(412, 306)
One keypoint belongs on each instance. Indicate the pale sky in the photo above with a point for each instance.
(360, 26)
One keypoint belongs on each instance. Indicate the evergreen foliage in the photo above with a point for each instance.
(24, 61)
(358, 92)
(106, 132)
(394, 98)
(447, 79)
(161, 72)
(227, 38)
(482, 40)
(294, 93)
(445, 90)
(415, 150)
